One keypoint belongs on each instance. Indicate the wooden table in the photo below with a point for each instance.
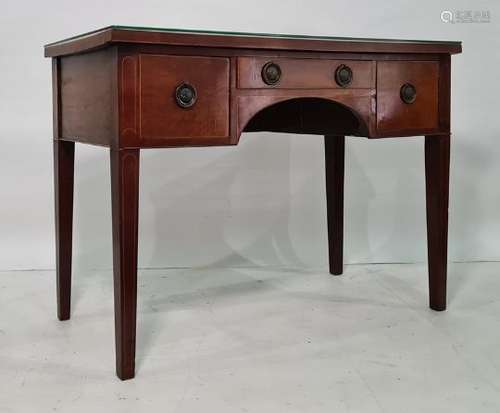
(128, 88)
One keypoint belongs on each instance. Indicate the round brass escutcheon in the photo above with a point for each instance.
(271, 73)
(408, 93)
(343, 75)
(185, 95)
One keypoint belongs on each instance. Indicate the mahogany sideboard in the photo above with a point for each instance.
(129, 88)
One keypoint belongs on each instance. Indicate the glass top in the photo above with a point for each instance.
(243, 34)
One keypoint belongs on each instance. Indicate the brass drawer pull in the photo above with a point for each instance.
(185, 95)
(343, 75)
(271, 73)
(408, 93)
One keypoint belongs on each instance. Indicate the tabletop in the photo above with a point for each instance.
(203, 38)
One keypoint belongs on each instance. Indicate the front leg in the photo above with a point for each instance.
(125, 207)
(437, 172)
(64, 165)
(334, 168)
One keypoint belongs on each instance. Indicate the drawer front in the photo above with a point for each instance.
(162, 116)
(304, 73)
(420, 111)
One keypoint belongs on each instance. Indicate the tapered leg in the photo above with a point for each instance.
(125, 207)
(437, 170)
(64, 160)
(334, 166)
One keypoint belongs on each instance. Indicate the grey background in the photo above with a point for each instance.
(262, 202)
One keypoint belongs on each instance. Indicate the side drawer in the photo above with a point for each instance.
(419, 112)
(161, 116)
(304, 73)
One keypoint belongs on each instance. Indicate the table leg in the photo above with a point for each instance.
(125, 207)
(437, 169)
(334, 168)
(64, 161)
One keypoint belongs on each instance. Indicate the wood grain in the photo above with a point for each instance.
(304, 73)
(393, 115)
(160, 116)
(88, 97)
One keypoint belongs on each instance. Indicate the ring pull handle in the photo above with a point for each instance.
(271, 73)
(185, 95)
(408, 93)
(343, 75)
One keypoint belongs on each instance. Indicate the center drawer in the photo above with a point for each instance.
(285, 73)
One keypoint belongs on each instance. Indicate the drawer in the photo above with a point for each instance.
(183, 96)
(304, 73)
(419, 112)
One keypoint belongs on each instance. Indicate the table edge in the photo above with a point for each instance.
(120, 34)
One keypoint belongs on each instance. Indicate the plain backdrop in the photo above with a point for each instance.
(262, 202)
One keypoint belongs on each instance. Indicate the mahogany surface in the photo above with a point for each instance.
(208, 118)
(130, 88)
(393, 115)
(88, 90)
(319, 73)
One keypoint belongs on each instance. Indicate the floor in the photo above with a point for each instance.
(257, 340)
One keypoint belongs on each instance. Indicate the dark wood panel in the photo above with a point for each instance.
(304, 73)
(88, 97)
(394, 115)
(162, 118)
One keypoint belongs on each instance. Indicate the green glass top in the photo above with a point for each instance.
(243, 34)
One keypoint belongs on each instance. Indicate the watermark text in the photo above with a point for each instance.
(465, 16)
